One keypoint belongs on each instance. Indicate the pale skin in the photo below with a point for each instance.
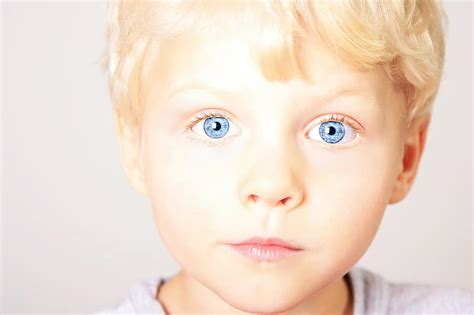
(269, 177)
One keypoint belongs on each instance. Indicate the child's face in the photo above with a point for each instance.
(272, 174)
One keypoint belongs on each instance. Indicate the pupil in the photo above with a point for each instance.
(331, 130)
(216, 125)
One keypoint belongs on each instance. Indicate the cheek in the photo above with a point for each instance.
(348, 194)
(185, 186)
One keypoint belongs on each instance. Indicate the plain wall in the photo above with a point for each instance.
(76, 237)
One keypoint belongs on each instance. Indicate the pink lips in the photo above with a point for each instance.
(260, 249)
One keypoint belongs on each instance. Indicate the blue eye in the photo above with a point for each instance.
(335, 130)
(216, 127)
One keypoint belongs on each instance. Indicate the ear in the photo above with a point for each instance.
(413, 149)
(130, 152)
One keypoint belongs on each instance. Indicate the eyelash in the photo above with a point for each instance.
(213, 113)
(340, 118)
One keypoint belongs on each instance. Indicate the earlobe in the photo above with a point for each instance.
(129, 143)
(413, 149)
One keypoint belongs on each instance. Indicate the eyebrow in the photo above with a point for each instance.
(177, 88)
(326, 96)
(340, 91)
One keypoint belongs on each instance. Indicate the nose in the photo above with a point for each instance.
(272, 183)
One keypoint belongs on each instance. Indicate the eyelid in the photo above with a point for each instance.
(341, 118)
(205, 114)
(333, 116)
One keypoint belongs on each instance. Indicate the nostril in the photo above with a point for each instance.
(285, 200)
(253, 198)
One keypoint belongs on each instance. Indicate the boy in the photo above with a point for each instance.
(269, 137)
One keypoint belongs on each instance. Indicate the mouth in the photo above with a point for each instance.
(260, 249)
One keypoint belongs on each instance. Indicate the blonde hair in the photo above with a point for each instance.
(405, 37)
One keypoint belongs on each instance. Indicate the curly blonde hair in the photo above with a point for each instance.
(405, 37)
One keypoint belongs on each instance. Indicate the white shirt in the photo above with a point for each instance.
(372, 295)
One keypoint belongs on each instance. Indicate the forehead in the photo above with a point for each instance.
(228, 62)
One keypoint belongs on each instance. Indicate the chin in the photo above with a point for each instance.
(270, 306)
(270, 302)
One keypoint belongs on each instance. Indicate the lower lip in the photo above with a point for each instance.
(265, 252)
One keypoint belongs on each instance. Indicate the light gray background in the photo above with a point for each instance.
(75, 236)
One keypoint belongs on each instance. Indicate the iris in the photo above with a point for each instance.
(216, 127)
(332, 131)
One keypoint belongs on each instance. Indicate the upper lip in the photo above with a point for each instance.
(267, 241)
